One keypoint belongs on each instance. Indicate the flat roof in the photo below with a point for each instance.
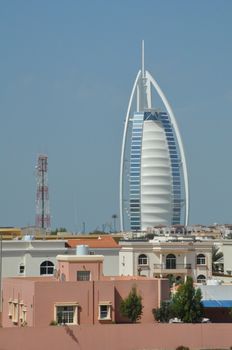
(79, 258)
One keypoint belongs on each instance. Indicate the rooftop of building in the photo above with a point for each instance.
(93, 242)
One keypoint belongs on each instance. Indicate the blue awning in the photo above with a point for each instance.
(217, 303)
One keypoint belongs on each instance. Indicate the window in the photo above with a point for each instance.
(142, 259)
(201, 279)
(104, 311)
(15, 311)
(200, 259)
(170, 261)
(21, 269)
(83, 275)
(66, 313)
(46, 268)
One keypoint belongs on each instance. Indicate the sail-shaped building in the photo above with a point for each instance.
(153, 172)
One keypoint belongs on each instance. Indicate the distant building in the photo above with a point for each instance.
(165, 257)
(153, 177)
(102, 245)
(77, 294)
(36, 257)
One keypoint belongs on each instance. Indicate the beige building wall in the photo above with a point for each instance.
(185, 253)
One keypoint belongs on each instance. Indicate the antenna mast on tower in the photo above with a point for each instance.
(42, 197)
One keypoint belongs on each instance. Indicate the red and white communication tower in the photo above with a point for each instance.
(42, 198)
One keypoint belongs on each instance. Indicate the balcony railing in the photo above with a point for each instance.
(172, 266)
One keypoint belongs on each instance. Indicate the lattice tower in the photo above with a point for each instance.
(43, 219)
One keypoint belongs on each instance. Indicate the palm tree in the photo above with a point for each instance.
(216, 256)
(114, 217)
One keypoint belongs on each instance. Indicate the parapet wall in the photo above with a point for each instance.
(118, 337)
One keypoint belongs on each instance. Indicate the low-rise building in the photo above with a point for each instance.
(101, 245)
(164, 257)
(28, 256)
(79, 293)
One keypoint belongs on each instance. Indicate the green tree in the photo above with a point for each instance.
(186, 303)
(61, 229)
(164, 313)
(132, 307)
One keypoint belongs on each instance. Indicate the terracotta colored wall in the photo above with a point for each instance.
(41, 296)
(47, 294)
(103, 291)
(148, 292)
(20, 289)
(70, 269)
(118, 337)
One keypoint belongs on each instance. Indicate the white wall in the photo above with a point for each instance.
(227, 253)
(29, 253)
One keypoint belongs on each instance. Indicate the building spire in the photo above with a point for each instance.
(143, 70)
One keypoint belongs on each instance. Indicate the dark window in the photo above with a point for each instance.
(21, 268)
(83, 275)
(200, 259)
(142, 259)
(170, 261)
(103, 311)
(46, 268)
(65, 314)
(201, 279)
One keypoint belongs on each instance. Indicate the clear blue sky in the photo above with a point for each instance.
(66, 73)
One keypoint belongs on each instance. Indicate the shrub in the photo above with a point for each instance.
(131, 307)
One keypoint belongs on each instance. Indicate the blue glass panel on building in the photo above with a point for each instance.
(135, 166)
(175, 165)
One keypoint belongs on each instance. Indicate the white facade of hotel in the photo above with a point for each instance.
(153, 171)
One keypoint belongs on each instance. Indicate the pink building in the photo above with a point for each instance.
(77, 294)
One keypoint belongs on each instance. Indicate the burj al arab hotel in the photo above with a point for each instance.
(153, 172)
